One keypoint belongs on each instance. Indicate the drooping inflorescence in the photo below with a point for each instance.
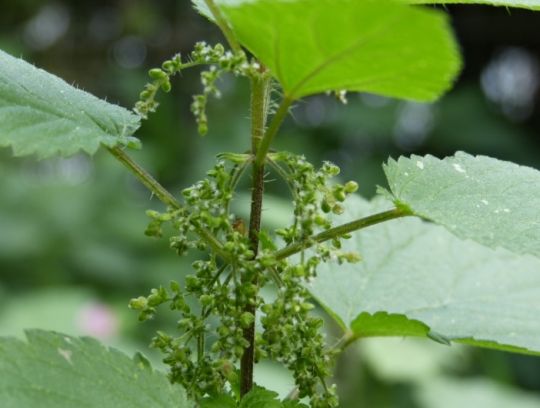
(205, 352)
(215, 303)
(218, 61)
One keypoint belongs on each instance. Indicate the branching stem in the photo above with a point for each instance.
(145, 178)
(342, 230)
(165, 197)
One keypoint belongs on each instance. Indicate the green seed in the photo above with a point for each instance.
(168, 66)
(351, 187)
(166, 86)
(156, 73)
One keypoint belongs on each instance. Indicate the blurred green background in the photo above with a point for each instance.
(72, 249)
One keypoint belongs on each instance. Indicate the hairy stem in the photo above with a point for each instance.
(259, 111)
(342, 230)
(145, 178)
(223, 24)
(260, 102)
(201, 338)
(165, 197)
(246, 365)
(277, 120)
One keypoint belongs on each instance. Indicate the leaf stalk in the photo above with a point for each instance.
(165, 197)
(223, 25)
(272, 130)
(341, 230)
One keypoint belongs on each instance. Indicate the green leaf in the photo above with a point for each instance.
(376, 46)
(473, 392)
(219, 401)
(528, 4)
(493, 202)
(52, 370)
(54, 308)
(202, 8)
(293, 404)
(273, 376)
(417, 279)
(410, 360)
(260, 397)
(43, 115)
(384, 324)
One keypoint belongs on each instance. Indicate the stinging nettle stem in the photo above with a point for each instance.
(259, 110)
(275, 124)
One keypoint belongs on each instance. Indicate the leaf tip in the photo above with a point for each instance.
(439, 338)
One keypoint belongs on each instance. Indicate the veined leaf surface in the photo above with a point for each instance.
(43, 115)
(52, 370)
(417, 279)
(493, 202)
(376, 46)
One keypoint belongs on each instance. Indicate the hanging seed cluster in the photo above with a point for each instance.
(218, 61)
(204, 355)
(213, 303)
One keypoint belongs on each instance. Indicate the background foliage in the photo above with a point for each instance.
(72, 249)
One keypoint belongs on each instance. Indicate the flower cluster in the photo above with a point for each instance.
(314, 198)
(220, 62)
(161, 79)
(201, 374)
(292, 335)
(218, 288)
(226, 286)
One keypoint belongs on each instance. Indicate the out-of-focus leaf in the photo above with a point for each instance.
(219, 401)
(53, 309)
(452, 393)
(417, 279)
(409, 359)
(52, 370)
(273, 376)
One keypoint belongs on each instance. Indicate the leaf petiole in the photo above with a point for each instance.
(166, 197)
(223, 25)
(272, 130)
(343, 230)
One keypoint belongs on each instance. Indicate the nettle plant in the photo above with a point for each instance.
(454, 256)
